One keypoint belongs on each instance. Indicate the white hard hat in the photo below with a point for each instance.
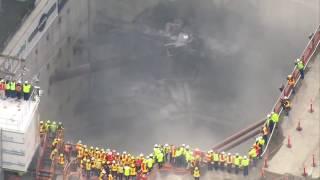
(298, 60)
(183, 145)
(148, 157)
(124, 152)
(269, 115)
(229, 154)
(286, 97)
(26, 82)
(237, 154)
(187, 147)
(245, 157)
(151, 155)
(141, 155)
(19, 82)
(166, 145)
(156, 145)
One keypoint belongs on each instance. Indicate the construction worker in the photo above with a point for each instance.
(61, 160)
(88, 168)
(216, 160)
(245, 163)
(53, 128)
(188, 156)
(166, 152)
(253, 155)
(2, 89)
(196, 173)
(120, 171)
(172, 154)
(8, 91)
(265, 132)
(53, 154)
(300, 67)
(13, 89)
(144, 167)
(97, 165)
(126, 172)
(237, 162)
(291, 82)
(114, 168)
(209, 159)
(260, 141)
(286, 104)
(47, 126)
(274, 118)
(133, 172)
(179, 154)
(26, 90)
(55, 143)
(60, 126)
(18, 90)
(41, 127)
(139, 162)
(102, 174)
(229, 161)
(149, 163)
(222, 160)
(160, 159)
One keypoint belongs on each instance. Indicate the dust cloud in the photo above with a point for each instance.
(156, 88)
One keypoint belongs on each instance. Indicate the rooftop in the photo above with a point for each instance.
(16, 114)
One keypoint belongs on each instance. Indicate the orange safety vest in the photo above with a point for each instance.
(229, 159)
(80, 152)
(291, 81)
(144, 168)
(222, 158)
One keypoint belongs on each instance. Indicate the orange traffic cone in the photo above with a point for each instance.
(299, 128)
(289, 142)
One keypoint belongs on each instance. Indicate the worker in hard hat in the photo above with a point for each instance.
(53, 128)
(275, 118)
(265, 132)
(166, 150)
(19, 89)
(196, 173)
(53, 154)
(47, 126)
(245, 164)
(300, 67)
(209, 160)
(260, 142)
(88, 168)
(42, 128)
(160, 159)
(144, 167)
(253, 155)
(172, 154)
(60, 126)
(2, 89)
(291, 82)
(286, 105)
(114, 168)
(126, 172)
(55, 143)
(179, 156)
(149, 161)
(12, 85)
(120, 171)
(222, 160)
(61, 160)
(133, 171)
(229, 162)
(216, 158)
(188, 157)
(26, 88)
(237, 162)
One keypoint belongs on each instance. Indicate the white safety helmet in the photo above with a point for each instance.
(298, 60)
(286, 97)
(19, 82)
(229, 154)
(26, 82)
(183, 145)
(141, 155)
(223, 152)
(187, 147)
(148, 157)
(156, 145)
(166, 145)
(269, 115)
(245, 157)
(124, 152)
(151, 155)
(237, 154)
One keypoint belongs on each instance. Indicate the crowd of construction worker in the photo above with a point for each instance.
(15, 89)
(107, 164)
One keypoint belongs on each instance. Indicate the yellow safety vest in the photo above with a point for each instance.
(88, 166)
(245, 162)
(237, 160)
(26, 88)
(12, 86)
(196, 173)
(133, 171)
(120, 169)
(127, 171)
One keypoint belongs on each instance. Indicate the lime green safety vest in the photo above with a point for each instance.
(12, 86)
(245, 162)
(261, 141)
(8, 86)
(160, 157)
(300, 65)
(26, 88)
(179, 152)
(275, 117)
(216, 157)
(237, 160)
(126, 171)
(149, 163)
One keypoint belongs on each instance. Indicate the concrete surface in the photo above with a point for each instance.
(306, 142)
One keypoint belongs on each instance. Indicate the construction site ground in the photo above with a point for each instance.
(305, 143)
